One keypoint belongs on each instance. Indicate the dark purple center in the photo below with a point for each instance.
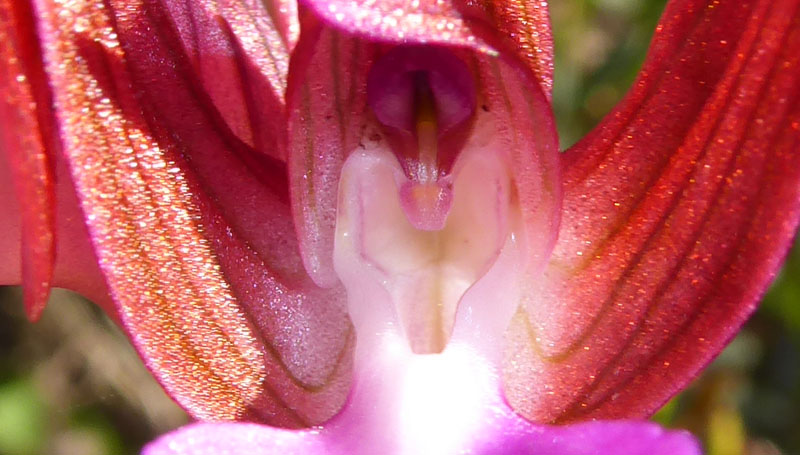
(424, 96)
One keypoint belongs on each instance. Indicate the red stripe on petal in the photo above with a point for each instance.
(525, 125)
(44, 214)
(521, 28)
(216, 37)
(191, 225)
(327, 107)
(678, 211)
(525, 25)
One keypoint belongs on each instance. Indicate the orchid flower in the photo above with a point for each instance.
(352, 216)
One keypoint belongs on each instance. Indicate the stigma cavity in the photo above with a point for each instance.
(424, 97)
(425, 211)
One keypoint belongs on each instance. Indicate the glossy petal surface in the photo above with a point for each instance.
(678, 210)
(594, 438)
(44, 240)
(520, 27)
(238, 52)
(28, 143)
(525, 24)
(234, 439)
(178, 204)
(398, 20)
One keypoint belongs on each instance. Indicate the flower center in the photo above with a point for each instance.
(424, 99)
(417, 231)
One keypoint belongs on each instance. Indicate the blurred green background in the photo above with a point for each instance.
(72, 385)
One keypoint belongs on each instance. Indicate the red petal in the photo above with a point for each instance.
(525, 24)
(678, 211)
(28, 142)
(520, 27)
(191, 225)
(239, 53)
(36, 197)
(327, 100)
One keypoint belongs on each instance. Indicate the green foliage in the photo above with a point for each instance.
(23, 420)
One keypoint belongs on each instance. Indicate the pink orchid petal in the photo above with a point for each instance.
(398, 21)
(235, 439)
(411, 405)
(518, 27)
(239, 55)
(324, 125)
(590, 438)
(500, 437)
(191, 225)
(27, 142)
(75, 267)
(451, 403)
(37, 201)
(678, 211)
(524, 25)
